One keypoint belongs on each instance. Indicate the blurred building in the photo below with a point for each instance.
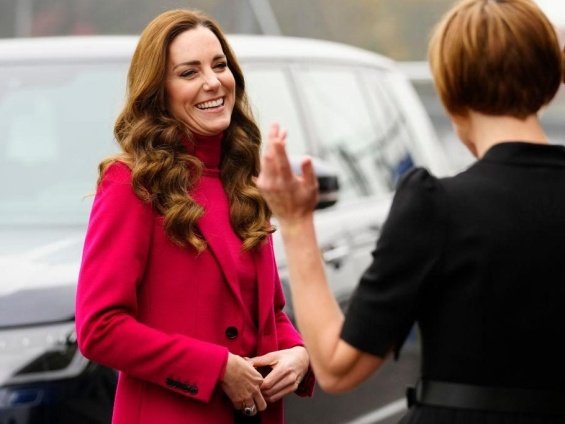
(396, 29)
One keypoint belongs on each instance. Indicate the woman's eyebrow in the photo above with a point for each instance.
(197, 62)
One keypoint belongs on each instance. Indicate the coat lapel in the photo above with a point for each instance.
(265, 268)
(217, 246)
(263, 256)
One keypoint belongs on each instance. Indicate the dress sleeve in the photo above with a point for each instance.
(114, 259)
(386, 301)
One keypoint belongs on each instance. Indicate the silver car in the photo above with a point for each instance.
(349, 108)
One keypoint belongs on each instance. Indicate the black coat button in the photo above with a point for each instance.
(193, 390)
(231, 333)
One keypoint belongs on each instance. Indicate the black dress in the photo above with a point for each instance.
(478, 261)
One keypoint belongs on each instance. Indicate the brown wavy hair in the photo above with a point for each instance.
(497, 57)
(163, 172)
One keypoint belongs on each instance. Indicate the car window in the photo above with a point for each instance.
(428, 95)
(270, 94)
(56, 126)
(350, 138)
(394, 136)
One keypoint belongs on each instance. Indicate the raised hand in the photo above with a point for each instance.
(289, 196)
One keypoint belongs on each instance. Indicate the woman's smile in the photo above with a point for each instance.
(200, 86)
(211, 105)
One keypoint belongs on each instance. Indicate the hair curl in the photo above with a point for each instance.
(163, 172)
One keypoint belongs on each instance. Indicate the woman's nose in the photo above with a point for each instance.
(211, 81)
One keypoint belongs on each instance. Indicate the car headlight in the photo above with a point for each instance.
(41, 353)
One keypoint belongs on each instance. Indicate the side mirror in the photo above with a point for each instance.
(328, 183)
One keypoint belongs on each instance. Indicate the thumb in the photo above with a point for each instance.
(264, 360)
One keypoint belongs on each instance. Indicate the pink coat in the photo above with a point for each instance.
(166, 317)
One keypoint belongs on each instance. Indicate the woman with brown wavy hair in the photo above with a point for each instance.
(178, 288)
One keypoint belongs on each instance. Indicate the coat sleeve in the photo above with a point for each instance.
(115, 253)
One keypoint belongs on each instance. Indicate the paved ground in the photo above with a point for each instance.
(379, 400)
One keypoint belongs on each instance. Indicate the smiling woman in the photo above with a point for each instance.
(196, 240)
(200, 86)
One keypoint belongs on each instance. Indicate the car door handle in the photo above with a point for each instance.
(335, 255)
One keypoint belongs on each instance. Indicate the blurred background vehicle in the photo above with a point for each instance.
(350, 109)
(552, 117)
(58, 100)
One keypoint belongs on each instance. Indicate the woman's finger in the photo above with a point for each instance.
(281, 158)
(280, 390)
(273, 130)
(308, 173)
(259, 401)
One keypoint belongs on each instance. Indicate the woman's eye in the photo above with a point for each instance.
(187, 74)
(221, 65)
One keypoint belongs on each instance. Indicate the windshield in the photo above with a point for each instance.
(55, 126)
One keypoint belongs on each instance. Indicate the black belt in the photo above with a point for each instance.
(487, 399)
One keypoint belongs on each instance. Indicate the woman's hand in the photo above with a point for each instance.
(289, 196)
(288, 367)
(242, 383)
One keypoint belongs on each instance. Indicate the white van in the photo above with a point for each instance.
(355, 111)
(349, 108)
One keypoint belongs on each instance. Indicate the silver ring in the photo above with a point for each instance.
(250, 410)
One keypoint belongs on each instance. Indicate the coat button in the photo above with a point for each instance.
(231, 333)
(193, 390)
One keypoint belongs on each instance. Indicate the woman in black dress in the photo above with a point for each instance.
(477, 260)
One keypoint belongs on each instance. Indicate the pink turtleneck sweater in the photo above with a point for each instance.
(209, 192)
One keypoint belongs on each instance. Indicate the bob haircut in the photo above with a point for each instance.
(496, 57)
